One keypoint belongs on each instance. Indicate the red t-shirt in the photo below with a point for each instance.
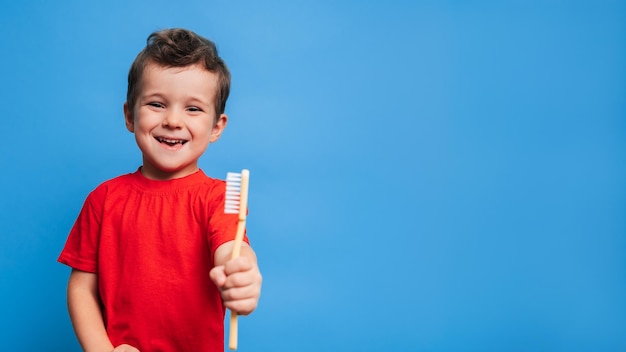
(151, 243)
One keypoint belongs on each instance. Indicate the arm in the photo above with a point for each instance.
(239, 279)
(84, 308)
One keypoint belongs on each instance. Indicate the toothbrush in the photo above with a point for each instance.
(236, 203)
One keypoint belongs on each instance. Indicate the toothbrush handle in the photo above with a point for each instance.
(232, 340)
(241, 227)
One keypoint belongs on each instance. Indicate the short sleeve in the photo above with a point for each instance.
(81, 249)
(222, 227)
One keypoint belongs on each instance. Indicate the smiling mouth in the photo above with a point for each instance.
(171, 142)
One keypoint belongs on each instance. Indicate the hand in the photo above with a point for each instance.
(239, 281)
(125, 348)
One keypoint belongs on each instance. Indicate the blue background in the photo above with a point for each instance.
(425, 175)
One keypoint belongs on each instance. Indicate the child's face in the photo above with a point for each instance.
(174, 119)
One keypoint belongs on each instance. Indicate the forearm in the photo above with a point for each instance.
(85, 313)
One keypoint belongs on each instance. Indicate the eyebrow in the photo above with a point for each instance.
(191, 99)
(151, 95)
(201, 101)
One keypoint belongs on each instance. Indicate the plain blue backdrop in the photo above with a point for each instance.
(425, 175)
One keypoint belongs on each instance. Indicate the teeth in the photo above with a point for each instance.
(170, 141)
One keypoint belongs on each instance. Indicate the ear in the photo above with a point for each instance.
(218, 128)
(128, 116)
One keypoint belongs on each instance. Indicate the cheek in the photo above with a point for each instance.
(145, 123)
(201, 129)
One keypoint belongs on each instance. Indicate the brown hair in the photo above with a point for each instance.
(179, 48)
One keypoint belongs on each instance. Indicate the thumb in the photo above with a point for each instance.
(218, 276)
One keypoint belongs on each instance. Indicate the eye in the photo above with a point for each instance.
(194, 109)
(156, 104)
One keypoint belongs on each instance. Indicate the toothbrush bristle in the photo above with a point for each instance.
(233, 188)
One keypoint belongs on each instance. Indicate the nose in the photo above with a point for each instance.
(172, 120)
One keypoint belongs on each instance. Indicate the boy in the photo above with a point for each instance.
(150, 251)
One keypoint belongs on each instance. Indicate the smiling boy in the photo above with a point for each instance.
(150, 251)
(174, 119)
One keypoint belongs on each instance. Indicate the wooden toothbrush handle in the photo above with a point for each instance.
(232, 339)
(241, 227)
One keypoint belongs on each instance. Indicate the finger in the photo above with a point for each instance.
(242, 307)
(241, 293)
(245, 278)
(218, 276)
(238, 264)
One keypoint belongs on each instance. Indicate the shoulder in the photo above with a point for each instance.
(214, 183)
(208, 194)
(115, 184)
(213, 187)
